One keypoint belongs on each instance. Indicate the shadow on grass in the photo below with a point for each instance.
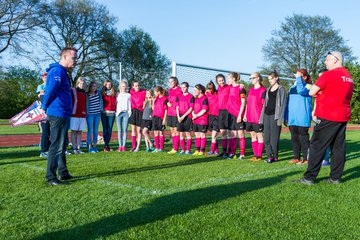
(7, 157)
(150, 168)
(351, 173)
(162, 208)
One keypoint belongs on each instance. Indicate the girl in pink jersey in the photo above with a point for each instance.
(236, 108)
(255, 102)
(223, 96)
(159, 117)
(137, 100)
(213, 99)
(200, 119)
(184, 108)
(172, 120)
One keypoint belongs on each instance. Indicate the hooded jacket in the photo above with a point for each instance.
(57, 98)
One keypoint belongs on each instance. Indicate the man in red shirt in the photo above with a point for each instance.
(333, 92)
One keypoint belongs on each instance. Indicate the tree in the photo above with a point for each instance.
(142, 59)
(354, 70)
(302, 42)
(17, 19)
(18, 90)
(85, 25)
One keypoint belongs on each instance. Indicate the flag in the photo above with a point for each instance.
(31, 114)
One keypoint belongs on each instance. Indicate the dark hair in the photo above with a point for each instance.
(200, 88)
(211, 87)
(176, 80)
(274, 74)
(66, 50)
(185, 83)
(135, 81)
(160, 89)
(235, 75)
(90, 85)
(305, 74)
(219, 76)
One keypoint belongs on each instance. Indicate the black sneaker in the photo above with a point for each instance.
(332, 181)
(56, 182)
(66, 177)
(304, 181)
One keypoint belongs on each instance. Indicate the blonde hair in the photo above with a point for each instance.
(112, 90)
(123, 82)
(146, 99)
(80, 79)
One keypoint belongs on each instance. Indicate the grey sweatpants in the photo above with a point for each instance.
(271, 136)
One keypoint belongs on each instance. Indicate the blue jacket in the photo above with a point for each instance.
(298, 110)
(57, 98)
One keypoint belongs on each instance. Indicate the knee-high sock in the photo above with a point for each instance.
(242, 145)
(212, 147)
(197, 144)
(224, 143)
(260, 149)
(173, 141)
(203, 144)
(182, 144)
(162, 142)
(133, 141)
(255, 147)
(176, 142)
(189, 143)
(232, 145)
(157, 144)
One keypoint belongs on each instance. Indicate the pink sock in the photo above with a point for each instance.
(197, 143)
(260, 149)
(162, 141)
(156, 138)
(133, 141)
(232, 146)
(182, 144)
(216, 146)
(189, 143)
(203, 144)
(173, 141)
(224, 143)
(254, 145)
(212, 147)
(242, 146)
(176, 143)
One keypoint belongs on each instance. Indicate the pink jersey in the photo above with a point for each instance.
(160, 105)
(235, 95)
(200, 104)
(223, 95)
(184, 102)
(213, 103)
(137, 99)
(255, 102)
(173, 94)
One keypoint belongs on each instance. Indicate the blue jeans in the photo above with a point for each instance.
(93, 121)
(45, 136)
(107, 123)
(122, 124)
(56, 156)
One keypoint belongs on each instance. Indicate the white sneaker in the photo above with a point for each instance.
(67, 152)
(43, 154)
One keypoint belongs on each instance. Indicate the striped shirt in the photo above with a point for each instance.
(94, 104)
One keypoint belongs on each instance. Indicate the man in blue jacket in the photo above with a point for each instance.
(57, 104)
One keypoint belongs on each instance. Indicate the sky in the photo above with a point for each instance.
(227, 34)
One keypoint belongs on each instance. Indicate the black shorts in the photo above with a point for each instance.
(172, 121)
(185, 125)
(200, 128)
(157, 124)
(223, 119)
(136, 117)
(213, 123)
(254, 127)
(233, 125)
(146, 124)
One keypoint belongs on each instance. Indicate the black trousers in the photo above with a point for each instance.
(327, 133)
(300, 141)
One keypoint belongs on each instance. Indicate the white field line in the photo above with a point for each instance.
(207, 183)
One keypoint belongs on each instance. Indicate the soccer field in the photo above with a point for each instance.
(160, 196)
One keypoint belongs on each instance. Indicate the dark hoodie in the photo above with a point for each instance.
(57, 98)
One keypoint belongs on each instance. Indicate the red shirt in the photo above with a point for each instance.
(236, 93)
(79, 103)
(200, 104)
(173, 94)
(109, 103)
(160, 105)
(223, 95)
(333, 99)
(213, 103)
(255, 102)
(137, 99)
(184, 102)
